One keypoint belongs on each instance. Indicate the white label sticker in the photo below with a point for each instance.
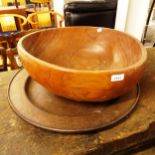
(117, 77)
(100, 29)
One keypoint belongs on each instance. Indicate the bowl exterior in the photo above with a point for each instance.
(79, 85)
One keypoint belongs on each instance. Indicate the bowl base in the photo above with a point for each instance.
(36, 105)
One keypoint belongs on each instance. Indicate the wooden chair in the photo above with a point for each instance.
(45, 19)
(8, 53)
(11, 23)
(13, 2)
(39, 2)
(12, 52)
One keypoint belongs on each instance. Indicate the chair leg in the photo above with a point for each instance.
(12, 53)
(35, 6)
(49, 5)
(4, 59)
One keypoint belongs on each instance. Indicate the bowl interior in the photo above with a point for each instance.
(86, 48)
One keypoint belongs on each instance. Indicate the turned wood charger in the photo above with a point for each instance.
(36, 105)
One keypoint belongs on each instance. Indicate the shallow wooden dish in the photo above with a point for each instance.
(83, 63)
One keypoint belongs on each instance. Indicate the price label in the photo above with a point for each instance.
(117, 77)
(99, 29)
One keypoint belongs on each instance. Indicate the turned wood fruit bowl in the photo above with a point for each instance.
(83, 63)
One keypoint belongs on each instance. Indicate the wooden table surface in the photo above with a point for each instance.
(17, 137)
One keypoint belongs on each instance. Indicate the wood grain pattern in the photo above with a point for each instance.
(24, 139)
(48, 111)
(71, 61)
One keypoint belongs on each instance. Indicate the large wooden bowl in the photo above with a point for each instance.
(83, 63)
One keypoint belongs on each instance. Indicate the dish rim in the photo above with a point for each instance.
(137, 64)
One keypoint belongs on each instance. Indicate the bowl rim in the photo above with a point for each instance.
(141, 61)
